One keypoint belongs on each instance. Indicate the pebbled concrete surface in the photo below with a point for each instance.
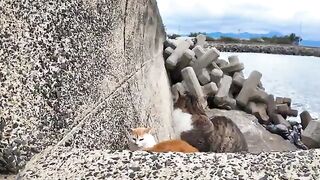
(72, 163)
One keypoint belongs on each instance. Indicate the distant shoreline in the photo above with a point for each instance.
(267, 48)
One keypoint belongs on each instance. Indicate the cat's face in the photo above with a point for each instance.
(139, 136)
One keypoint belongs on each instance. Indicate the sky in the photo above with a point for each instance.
(255, 16)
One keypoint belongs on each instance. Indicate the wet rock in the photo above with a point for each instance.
(305, 119)
(258, 138)
(278, 119)
(311, 134)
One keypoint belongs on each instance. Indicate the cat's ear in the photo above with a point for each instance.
(147, 130)
(131, 130)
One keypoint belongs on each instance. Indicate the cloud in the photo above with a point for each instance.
(284, 16)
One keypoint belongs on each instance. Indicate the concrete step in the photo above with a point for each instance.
(72, 163)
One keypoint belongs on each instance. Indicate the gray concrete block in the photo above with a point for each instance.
(305, 119)
(259, 110)
(184, 61)
(193, 86)
(311, 134)
(260, 85)
(176, 55)
(216, 75)
(233, 66)
(271, 106)
(250, 92)
(201, 40)
(285, 110)
(206, 59)
(234, 59)
(204, 76)
(210, 89)
(238, 79)
(221, 62)
(190, 42)
(223, 93)
(167, 52)
(199, 51)
(191, 82)
(212, 66)
(170, 43)
(283, 100)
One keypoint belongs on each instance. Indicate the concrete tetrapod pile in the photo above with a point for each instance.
(221, 84)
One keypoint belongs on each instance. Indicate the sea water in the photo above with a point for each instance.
(296, 77)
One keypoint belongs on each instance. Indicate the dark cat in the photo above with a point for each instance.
(218, 134)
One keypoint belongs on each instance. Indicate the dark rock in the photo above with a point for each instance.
(305, 119)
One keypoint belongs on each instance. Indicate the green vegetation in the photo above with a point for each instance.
(229, 39)
(291, 39)
(287, 39)
(210, 38)
(173, 36)
(195, 34)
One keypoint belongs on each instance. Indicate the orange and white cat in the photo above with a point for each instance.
(173, 146)
(141, 138)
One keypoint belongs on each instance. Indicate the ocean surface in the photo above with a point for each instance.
(297, 77)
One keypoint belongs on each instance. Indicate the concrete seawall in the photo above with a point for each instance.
(79, 73)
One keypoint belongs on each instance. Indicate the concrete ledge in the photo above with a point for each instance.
(69, 163)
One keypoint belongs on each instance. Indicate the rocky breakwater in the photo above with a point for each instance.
(267, 48)
(79, 74)
(221, 84)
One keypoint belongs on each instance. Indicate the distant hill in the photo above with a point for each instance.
(246, 35)
(310, 43)
(243, 35)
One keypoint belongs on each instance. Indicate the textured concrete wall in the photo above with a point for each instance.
(79, 71)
